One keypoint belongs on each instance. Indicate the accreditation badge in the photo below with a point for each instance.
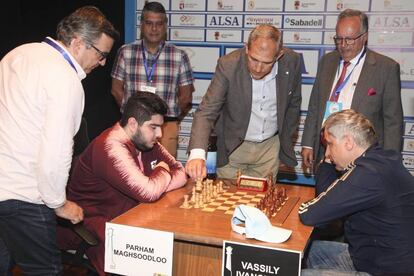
(148, 88)
(331, 107)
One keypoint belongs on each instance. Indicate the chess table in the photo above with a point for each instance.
(199, 235)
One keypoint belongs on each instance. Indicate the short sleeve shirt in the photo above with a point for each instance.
(172, 70)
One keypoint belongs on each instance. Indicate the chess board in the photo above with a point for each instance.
(226, 202)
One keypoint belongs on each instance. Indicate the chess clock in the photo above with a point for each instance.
(249, 183)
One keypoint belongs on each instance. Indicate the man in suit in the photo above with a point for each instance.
(371, 86)
(253, 101)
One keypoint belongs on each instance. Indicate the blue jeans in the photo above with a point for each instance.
(29, 234)
(328, 258)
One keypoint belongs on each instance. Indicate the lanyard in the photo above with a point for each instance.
(150, 73)
(339, 88)
(63, 52)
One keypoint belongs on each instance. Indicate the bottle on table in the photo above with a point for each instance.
(211, 162)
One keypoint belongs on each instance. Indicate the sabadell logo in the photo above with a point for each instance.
(303, 22)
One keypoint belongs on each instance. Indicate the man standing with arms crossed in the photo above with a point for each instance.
(41, 104)
(152, 65)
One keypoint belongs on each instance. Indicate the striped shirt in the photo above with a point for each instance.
(172, 70)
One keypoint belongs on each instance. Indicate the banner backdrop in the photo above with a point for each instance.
(208, 29)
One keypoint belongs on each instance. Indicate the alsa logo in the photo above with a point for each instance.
(222, 20)
(301, 22)
(390, 22)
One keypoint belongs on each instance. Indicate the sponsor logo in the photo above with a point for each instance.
(296, 37)
(408, 161)
(409, 128)
(187, 6)
(390, 22)
(186, 18)
(250, 4)
(216, 35)
(221, 20)
(339, 5)
(409, 145)
(297, 5)
(301, 22)
(254, 21)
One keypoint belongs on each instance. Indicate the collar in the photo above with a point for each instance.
(160, 46)
(272, 74)
(123, 137)
(80, 72)
(354, 61)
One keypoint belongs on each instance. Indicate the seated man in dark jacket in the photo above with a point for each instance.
(374, 196)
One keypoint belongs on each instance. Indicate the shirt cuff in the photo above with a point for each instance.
(306, 147)
(197, 154)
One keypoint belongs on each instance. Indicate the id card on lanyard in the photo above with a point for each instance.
(149, 72)
(335, 106)
(331, 107)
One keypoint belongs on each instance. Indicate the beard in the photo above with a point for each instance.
(139, 142)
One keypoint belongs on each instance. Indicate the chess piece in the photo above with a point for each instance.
(185, 204)
(193, 195)
(197, 201)
(269, 181)
(238, 176)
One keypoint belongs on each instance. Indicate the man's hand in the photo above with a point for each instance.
(163, 165)
(71, 211)
(307, 156)
(196, 169)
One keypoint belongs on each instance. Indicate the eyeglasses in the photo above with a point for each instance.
(348, 40)
(103, 55)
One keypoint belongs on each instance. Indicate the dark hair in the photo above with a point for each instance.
(154, 7)
(87, 23)
(141, 106)
(363, 18)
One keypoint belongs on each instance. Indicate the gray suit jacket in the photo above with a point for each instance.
(377, 95)
(228, 101)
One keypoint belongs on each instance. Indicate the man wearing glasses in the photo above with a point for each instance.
(152, 65)
(254, 102)
(41, 105)
(370, 84)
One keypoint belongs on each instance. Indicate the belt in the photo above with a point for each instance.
(258, 142)
(170, 119)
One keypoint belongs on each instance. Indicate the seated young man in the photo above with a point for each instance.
(374, 196)
(122, 167)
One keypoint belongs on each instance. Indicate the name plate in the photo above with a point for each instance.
(247, 259)
(249, 183)
(138, 251)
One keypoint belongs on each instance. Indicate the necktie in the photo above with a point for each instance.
(334, 94)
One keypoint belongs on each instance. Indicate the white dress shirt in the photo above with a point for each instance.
(41, 104)
(347, 92)
(263, 118)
